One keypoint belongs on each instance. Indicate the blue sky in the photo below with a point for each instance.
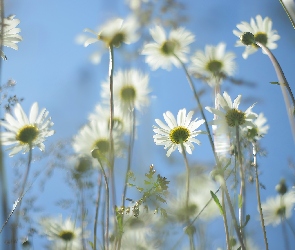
(53, 70)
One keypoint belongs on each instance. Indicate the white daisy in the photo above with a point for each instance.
(23, 132)
(262, 31)
(95, 135)
(122, 122)
(214, 63)
(130, 90)
(181, 131)
(260, 130)
(229, 116)
(163, 53)
(10, 34)
(132, 241)
(63, 233)
(115, 32)
(277, 208)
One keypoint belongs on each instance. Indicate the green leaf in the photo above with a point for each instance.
(216, 200)
(277, 83)
(240, 200)
(91, 244)
(247, 220)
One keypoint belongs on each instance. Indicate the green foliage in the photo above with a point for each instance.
(216, 200)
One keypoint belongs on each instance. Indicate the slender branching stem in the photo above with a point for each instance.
(284, 87)
(258, 194)
(288, 14)
(97, 203)
(285, 233)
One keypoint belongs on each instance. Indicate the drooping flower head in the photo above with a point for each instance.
(229, 116)
(115, 32)
(163, 52)
(130, 90)
(183, 130)
(10, 34)
(256, 133)
(63, 233)
(213, 64)
(24, 133)
(262, 31)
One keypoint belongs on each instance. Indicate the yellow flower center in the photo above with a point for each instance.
(281, 211)
(66, 235)
(179, 134)
(235, 117)
(103, 145)
(214, 66)
(27, 134)
(168, 47)
(128, 93)
(260, 37)
(118, 39)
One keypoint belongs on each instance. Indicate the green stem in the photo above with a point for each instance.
(258, 194)
(99, 183)
(288, 14)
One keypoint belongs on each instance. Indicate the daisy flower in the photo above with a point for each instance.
(115, 32)
(229, 116)
(130, 90)
(24, 133)
(176, 132)
(260, 130)
(214, 63)
(164, 52)
(10, 34)
(262, 31)
(122, 122)
(95, 135)
(63, 233)
(277, 208)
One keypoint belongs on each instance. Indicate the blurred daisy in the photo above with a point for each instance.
(277, 208)
(122, 122)
(183, 130)
(23, 132)
(10, 34)
(214, 63)
(130, 90)
(260, 130)
(115, 32)
(63, 233)
(131, 241)
(229, 116)
(262, 31)
(95, 135)
(163, 53)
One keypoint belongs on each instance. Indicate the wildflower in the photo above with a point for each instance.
(259, 130)
(10, 34)
(64, 234)
(262, 31)
(25, 133)
(165, 51)
(213, 64)
(229, 116)
(115, 32)
(121, 121)
(95, 135)
(277, 208)
(183, 131)
(130, 90)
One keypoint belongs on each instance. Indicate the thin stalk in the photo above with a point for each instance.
(283, 83)
(285, 233)
(130, 151)
(191, 239)
(288, 14)
(97, 203)
(258, 194)
(291, 227)
(242, 177)
(106, 245)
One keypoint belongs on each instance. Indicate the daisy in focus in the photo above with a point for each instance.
(130, 90)
(62, 233)
(262, 31)
(177, 132)
(96, 135)
(213, 64)
(165, 51)
(25, 133)
(10, 34)
(277, 208)
(229, 116)
(115, 32)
